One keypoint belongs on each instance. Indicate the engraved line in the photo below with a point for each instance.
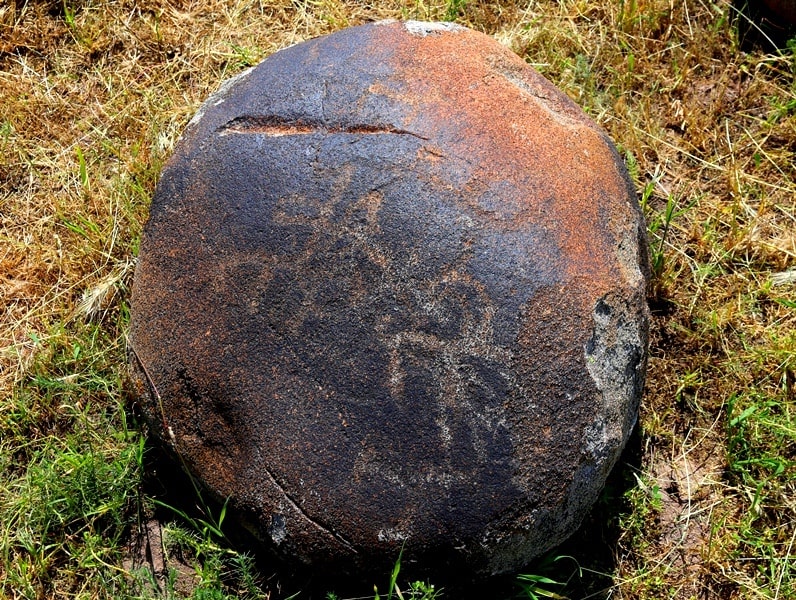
(278, 127)
(339, 537)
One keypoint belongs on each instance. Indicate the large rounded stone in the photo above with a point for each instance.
(391, 294)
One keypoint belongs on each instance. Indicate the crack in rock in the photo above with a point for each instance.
(279, 127)
(278, 530)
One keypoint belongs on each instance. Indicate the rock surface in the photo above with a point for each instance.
(392, 293)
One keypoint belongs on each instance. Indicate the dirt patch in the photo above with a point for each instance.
(688, 488)
(152, 567)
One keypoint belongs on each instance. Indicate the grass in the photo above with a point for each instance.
(96, 92)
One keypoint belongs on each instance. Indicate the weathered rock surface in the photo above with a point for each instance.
(392, 292)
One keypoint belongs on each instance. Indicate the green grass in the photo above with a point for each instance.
(95, 94)
(71, 467)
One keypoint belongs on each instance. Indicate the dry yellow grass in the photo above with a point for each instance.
(94, 94)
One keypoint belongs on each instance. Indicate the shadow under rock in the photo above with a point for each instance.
(583, 564)
(760, 28)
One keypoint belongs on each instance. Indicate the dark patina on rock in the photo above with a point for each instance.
(392, 294)
(784, 9)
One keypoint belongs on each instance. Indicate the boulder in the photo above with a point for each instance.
(391, 295)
